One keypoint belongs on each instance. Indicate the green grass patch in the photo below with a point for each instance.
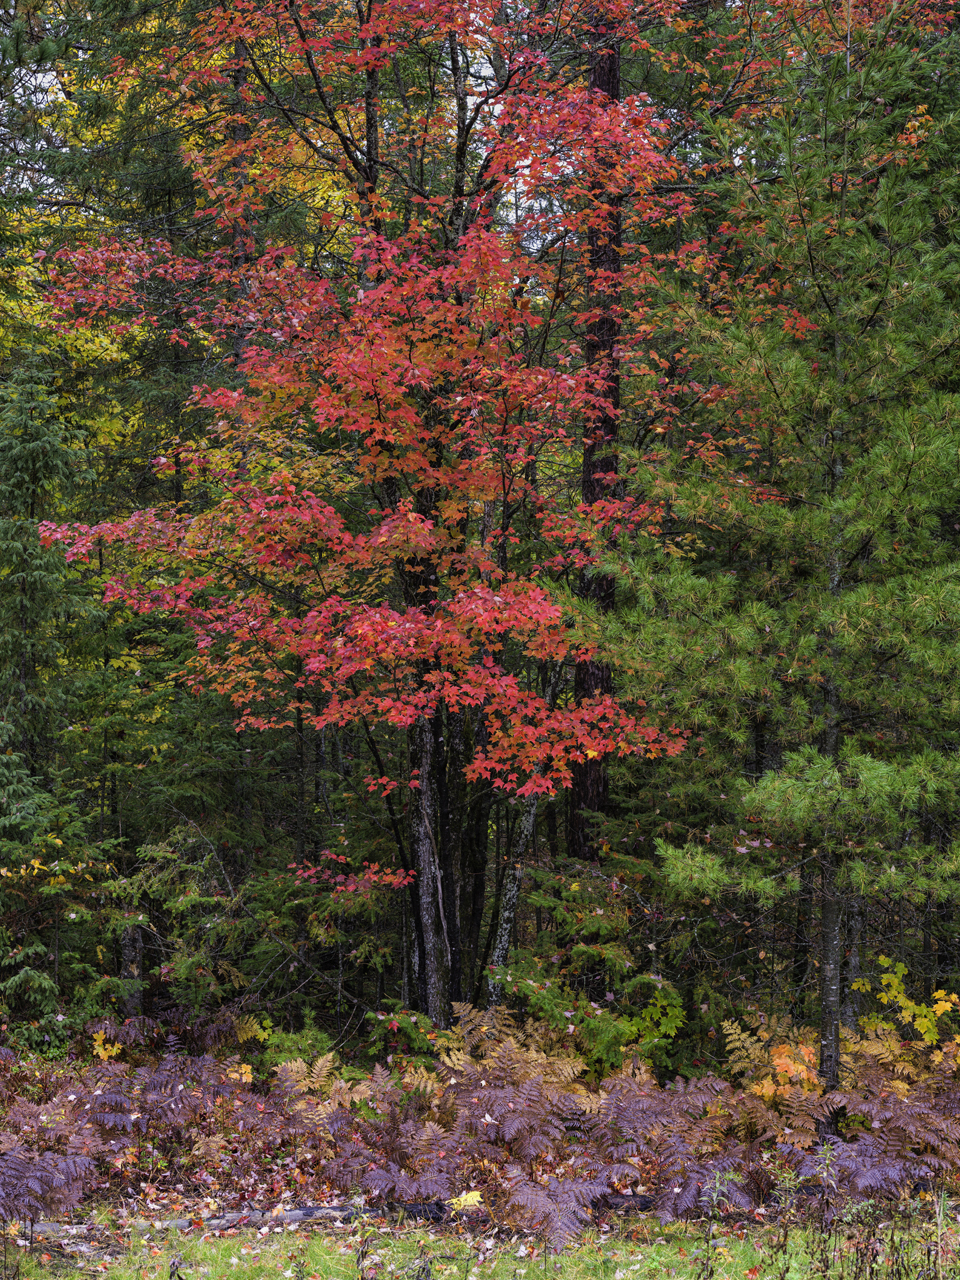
(868, 1241)
(642, 1251)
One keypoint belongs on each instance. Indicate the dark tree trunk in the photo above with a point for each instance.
(850, 1009)
(589, 791)
(831, 976)
(800, 967)
(443, 758)
(473, 873)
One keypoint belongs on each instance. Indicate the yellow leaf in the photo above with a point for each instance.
(466, 1201)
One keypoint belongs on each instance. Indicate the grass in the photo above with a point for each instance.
(869, 1244)
(386, 1253)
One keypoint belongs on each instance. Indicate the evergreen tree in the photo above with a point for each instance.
(808, 633)
(39, 459)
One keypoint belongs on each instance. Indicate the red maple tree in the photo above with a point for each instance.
(403, 423)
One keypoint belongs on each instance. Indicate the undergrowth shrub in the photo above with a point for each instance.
(494, 1118)
(498, 1115)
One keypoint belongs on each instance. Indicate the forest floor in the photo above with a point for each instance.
(375, 1249)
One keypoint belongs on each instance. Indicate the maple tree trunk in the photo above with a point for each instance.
(473, 871)
(589, 791)
(435, 958)
(444, 758)
(370, 172)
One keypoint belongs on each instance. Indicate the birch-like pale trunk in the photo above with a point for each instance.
(510, 894)
(434, 976)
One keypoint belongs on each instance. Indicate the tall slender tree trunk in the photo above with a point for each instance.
(831, 976)
(832, 913)
(445, 757)
(589, 791)
(800, 967)
(435, 958)
(850, 1008)
(473, 870)
(510, 893)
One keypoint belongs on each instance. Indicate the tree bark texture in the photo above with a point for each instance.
(435, 960)
(510, 894)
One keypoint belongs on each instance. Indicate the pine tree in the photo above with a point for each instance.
(39, 460)
(808, 632)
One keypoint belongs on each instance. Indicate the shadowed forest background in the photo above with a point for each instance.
(480, 522)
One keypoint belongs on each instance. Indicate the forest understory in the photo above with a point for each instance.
(479, 497)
